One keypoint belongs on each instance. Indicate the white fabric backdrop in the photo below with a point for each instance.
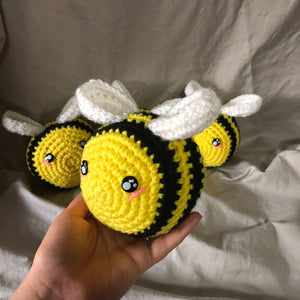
(247, 245)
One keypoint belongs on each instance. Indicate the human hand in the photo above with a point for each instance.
(80, 258)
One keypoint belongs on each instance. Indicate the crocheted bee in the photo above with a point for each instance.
(219, 141)
(142, 173)
(137, 183)
(54, 151)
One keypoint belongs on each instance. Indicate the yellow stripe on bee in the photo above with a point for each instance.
(184, 169)
(236, 131)
(140, 117)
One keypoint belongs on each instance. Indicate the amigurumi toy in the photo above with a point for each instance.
(54, 150)
(219, 141)
(142, 172)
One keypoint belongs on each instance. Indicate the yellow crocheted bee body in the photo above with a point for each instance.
(54, 155)
(219, 141)
(137, 183)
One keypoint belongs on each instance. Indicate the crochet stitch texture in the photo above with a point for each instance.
(54, 155)
(168, 177)
(225, 132)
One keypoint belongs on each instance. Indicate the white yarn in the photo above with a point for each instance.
(104, 103)
(165, 107)
(20, 124)
(242, 106)
(187, 116)
(120, 86)
(69, 112)
(182, 118)
(192, 87)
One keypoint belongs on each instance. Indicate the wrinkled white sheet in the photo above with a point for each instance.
(247, 246)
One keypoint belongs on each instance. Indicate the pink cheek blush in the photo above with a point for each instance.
(133, 195)
(46, 163)
(217, 147)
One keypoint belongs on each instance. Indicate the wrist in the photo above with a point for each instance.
(34, 288)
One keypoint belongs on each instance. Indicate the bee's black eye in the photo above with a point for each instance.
(129, 184)
(216, 142)
(84, 167)
(49, 157)
(82, 144)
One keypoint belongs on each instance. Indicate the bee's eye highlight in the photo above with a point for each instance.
(129, 184)
(216, 142)
(82, 143)
(49, 157)
(84, 167)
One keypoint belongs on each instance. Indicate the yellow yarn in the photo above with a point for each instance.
(112, 156)
(63, 143)
(140, 117)
(216, 156)
(235, 128)
(137, 183)
(181, 156)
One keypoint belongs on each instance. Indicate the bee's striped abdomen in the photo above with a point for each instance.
(169, 181)
(197, 180)
(230, 126)
(183, 176)
(190, 183)
(168, 177)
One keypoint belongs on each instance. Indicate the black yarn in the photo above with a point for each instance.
(163, 156)
(37, 139)
(228, 127)
(198, 175)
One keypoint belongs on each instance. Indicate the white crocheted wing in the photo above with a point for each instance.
(100, 102)
(69, 112)
(241, 106)
(182, 118)
(20, 124)
(104, 103)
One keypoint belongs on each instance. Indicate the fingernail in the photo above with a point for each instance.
(197, 216)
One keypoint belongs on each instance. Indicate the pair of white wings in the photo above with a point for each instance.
(178, 119)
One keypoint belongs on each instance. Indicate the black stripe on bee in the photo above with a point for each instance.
(163, 156)
(34, 142)
(198, 176)
(235, 124)
(145, 112)
(228, 127)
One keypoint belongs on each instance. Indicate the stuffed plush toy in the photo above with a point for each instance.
(142, 172)
(54, 150)
(219, 141)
